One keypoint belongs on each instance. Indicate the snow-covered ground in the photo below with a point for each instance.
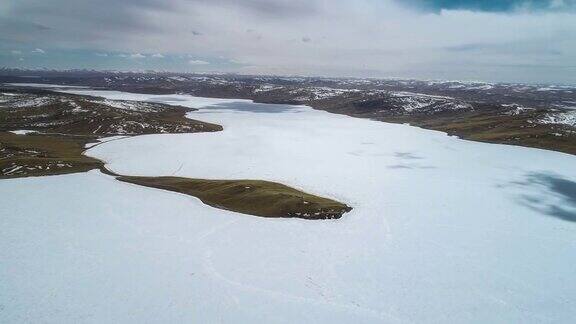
(23, 132)
(562, 118)
(443, 230)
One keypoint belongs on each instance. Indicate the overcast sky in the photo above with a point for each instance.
(513, 41)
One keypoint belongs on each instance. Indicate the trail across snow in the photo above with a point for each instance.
(442, 230)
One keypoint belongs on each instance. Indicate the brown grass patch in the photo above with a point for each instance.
(254, 197)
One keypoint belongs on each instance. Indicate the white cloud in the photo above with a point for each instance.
(15, 52)
(132, 56)
(380, 38)
(39, 51)
(102, 54)
(197, 62)
(157, 55)
(386, 39)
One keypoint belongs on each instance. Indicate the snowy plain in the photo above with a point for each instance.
(442, 230)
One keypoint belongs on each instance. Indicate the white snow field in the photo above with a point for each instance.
(442, 231)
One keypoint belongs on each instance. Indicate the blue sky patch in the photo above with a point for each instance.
(492, 5)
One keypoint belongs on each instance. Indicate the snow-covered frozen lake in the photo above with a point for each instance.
(442, 230)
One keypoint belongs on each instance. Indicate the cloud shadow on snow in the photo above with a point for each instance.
(407, 156)
(561, 190)
(251, 107)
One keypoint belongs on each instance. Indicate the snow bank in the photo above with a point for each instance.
(23, 132)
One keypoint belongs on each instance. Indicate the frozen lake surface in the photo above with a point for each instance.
(442, 230)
